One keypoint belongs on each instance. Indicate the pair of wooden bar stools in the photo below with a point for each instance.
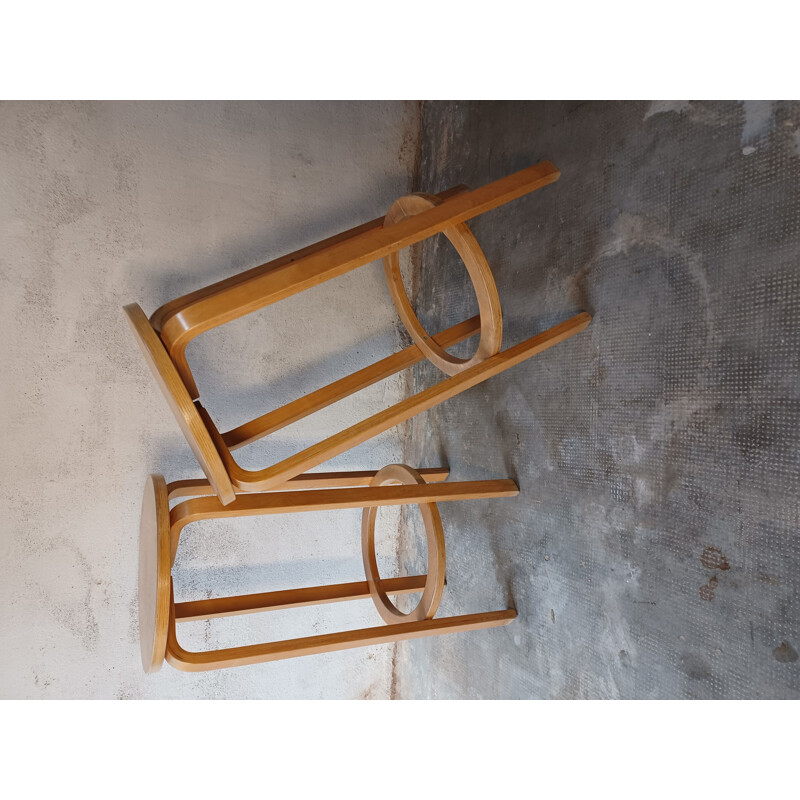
(288, 486)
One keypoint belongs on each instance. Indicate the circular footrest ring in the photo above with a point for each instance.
(434, 582)
(468, 248)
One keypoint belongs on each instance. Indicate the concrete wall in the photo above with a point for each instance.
(653, 551)
(102, 204)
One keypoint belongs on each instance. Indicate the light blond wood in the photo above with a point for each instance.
(291, 598)
(159, 612)
(289, 502)
(270, 283)
(292, 502)
(174, 308)
(216, 458)
(183, 319)
(180, 403)
(310, 480)
(154, 575)
(265, 479)
(327, 642)
(314, 401)
(490, 313)
(434, 584)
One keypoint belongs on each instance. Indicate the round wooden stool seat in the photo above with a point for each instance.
(154, 573)
(467, 247)
(434, 580)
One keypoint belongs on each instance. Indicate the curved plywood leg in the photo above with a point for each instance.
(321, 398)
(154, 573)
(264, 480)
(261, 504)
(181, 404)
(270, 283)
(188, 661)
(172, 311)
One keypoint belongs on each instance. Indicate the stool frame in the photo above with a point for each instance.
(160, 532)
(164, 337)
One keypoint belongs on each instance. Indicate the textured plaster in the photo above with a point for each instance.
(653, 550)
(102, 204)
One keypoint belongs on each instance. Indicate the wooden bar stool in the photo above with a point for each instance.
(396, 484)
(164, 337)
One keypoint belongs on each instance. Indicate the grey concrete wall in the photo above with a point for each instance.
(103, 204)
(653, 550)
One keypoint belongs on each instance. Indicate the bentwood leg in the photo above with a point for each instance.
(326, 642)
(200, 487)
(187, 317)
(266, 479)
(344, 387)
(392, 485)
(260, 504)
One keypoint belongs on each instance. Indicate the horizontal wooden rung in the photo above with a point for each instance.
(329, 642)
(291, 598)
(328, 499)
